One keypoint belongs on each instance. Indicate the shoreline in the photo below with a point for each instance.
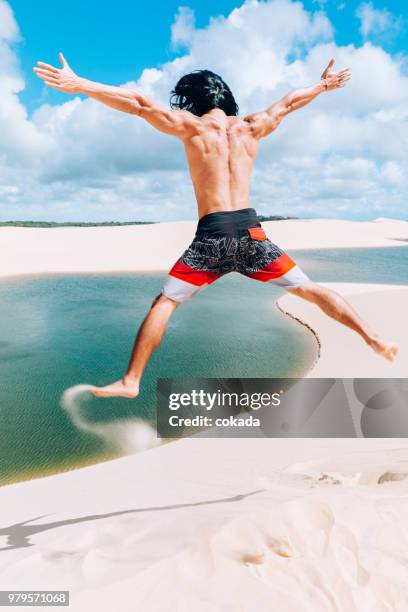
(310, 329)
(155, 248)
(163, 270)
(342, 354)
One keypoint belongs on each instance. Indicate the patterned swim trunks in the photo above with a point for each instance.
(230, 241)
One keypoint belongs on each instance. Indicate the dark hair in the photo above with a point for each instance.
(202, 90)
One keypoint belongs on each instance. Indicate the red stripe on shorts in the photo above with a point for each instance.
(194, 277)
(280, 266)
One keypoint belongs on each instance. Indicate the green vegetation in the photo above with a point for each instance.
(107, 223)
(275, 218)
(69, 224)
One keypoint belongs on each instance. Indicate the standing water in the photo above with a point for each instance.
(60, 331)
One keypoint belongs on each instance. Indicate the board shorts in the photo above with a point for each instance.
(230, 241)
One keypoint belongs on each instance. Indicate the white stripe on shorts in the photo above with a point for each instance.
(292, 279)
(179, 290)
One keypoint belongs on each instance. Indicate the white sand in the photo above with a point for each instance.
(206, 525)
(342, 353)
(157, 247)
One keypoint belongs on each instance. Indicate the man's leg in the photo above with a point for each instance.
(183, 282)
(148, 338)
(281, 270)
(336, 307)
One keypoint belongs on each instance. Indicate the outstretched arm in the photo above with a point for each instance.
(264, 123)
(176, 123)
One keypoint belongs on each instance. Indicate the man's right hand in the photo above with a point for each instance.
(64, 79)
(334, 80)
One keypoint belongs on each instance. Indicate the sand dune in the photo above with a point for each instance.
(214, 525)
(220, 525)
(156, 247)
(342, 353)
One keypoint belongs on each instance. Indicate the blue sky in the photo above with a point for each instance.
(116, 42)
(54, 166)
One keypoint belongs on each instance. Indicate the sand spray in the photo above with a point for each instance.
(126, 436)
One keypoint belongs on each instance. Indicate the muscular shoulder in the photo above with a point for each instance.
(207, 127)
(188, 123)
(262, 123)
(179, 123)
(238, 124)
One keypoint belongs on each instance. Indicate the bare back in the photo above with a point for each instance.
(221, 149)
(221, 154)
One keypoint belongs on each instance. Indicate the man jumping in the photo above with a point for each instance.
(221, 149)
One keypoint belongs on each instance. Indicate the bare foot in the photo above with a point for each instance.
(388, 350)
(121, 388)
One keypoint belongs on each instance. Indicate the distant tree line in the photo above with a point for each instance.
(70, 223)
(107, 223)
(275, 218)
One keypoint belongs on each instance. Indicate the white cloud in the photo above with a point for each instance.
(345, 154)
(182, 30)
(20, 140)
(8, 27)
(393, 173)
(376, 22)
